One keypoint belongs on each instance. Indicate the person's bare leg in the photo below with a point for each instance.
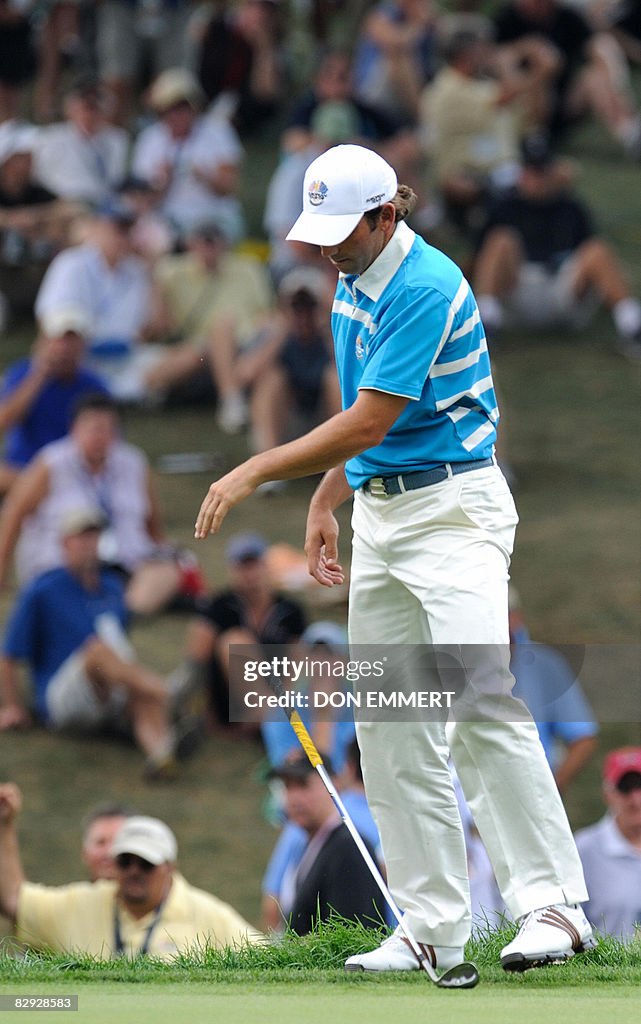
(152, 587)
(147, 693)
(498, 263)
(597, 267)
(603, 89)
(240, 637)
(179, 364)
(270, 404)
(331, 393)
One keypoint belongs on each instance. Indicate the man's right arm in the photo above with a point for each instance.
(321, 536)
(11, 874)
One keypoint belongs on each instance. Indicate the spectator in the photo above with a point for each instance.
(105, 279)
(592, 75)
(99, 829)
(210, 301)
(395, 57)
(39, 392)
(34, 224)
(241, 63)
(547, 684)
(331, 876)
(93, 467)
(192, 161)
(541, 264)
(294, 375)
(277, 882)
(148, 909)
(68, 627)
(611, 849)
(84, 157)
(132, 32)
(248, 612)
(472, 114)
(60, 40)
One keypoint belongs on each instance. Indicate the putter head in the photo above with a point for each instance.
(464, 975)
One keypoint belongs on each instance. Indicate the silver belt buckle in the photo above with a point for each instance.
(376, 486)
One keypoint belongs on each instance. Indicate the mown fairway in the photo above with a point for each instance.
(365, 1001)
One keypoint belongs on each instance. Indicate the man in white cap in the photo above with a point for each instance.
(148, 909)
(39, 392)
(434, 525)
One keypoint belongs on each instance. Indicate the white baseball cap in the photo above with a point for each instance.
(148, 838)
(66, 319)
(340, 186)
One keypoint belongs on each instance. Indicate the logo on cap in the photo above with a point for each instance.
(317, 192)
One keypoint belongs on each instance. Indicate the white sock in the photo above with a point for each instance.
(491, 311)
(627, 317)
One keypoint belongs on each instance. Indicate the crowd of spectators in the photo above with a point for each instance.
(124, 243)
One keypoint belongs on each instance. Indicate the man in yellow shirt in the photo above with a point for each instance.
(148, 909)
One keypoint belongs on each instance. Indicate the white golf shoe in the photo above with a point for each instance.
(547, 936)
(396, 954)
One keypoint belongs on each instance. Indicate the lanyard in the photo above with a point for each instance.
(144, 949)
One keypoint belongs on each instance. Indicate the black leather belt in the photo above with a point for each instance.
(386, 486)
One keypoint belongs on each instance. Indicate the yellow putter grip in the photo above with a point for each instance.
(305, 739)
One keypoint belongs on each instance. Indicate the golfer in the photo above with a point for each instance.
(433, 525)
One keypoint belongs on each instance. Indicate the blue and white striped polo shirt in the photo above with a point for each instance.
(409, 325)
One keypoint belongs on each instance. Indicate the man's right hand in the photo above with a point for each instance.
(10, 802)
(321, 547)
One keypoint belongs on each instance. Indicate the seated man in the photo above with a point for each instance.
(248, 612)
(148, 909)
(331, 876)
(92, 466)
(39, 392)
(210, 301)
(540, 263)
(294, 376)
(83, 158)
(105, 279)
(192, 161)
(610, 850)
(291, 844)
(68, 626)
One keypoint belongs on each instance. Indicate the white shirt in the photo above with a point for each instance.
(612, 868)
(188, 201)
(117, 299)
(81, 167)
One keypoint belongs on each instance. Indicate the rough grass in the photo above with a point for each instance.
(317, 957)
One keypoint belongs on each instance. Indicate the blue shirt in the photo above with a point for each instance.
(547, 684)
(53, 617)
(409, 325)
(49, 417)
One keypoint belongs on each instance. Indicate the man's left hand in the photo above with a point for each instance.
(223, 494)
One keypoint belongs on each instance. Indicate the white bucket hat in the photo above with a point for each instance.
(340, 186)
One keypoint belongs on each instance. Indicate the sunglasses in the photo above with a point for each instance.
(126, 860)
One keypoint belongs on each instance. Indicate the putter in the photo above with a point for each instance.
(464, 975)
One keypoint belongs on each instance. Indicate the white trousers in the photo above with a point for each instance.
(431, 567)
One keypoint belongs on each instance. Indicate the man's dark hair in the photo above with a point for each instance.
(404, 202)
(94, 402)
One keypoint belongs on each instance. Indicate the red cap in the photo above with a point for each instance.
(619, 762)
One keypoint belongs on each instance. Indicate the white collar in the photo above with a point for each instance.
(615, 844)
(373, 281)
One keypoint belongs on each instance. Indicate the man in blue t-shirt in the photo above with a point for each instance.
(433, 525)
(68, 626)
(38, 393)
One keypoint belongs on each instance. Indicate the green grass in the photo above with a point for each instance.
(302, 979)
